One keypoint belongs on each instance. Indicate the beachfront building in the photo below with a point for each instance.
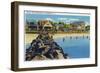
(77, 26)
(45, 25)
(35, 26)
(59, 26)
(31, 25)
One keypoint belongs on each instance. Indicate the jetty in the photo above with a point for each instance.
(44, 48)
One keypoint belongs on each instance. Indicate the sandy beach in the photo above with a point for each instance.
(29, 36)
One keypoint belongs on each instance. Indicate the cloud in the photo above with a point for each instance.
(49, 19)
(74, 19)
(68, 20)
(63, 19)
(87, 23)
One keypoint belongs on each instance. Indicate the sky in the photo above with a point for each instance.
(30, 16)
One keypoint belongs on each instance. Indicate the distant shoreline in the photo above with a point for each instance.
(30, 36)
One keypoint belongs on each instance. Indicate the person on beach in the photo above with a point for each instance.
(63, 39)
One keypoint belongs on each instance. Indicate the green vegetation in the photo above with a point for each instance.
(87, 28)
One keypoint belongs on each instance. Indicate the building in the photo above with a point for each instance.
(45, 25)
(31, 25)
(77, 26)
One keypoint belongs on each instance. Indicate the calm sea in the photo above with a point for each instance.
(75, 47)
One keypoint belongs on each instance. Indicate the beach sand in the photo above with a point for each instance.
(29, 36)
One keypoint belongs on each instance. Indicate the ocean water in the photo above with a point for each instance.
(75, 47)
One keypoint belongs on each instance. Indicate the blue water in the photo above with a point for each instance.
(75, 48)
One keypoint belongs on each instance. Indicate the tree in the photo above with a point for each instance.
(87, 28)
(61, 23)
(66, 25)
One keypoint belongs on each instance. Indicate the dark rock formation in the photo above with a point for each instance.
(44, 48)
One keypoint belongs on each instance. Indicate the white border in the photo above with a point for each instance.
(46, 63)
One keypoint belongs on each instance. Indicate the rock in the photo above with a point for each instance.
(39, 57)
(43, 48)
